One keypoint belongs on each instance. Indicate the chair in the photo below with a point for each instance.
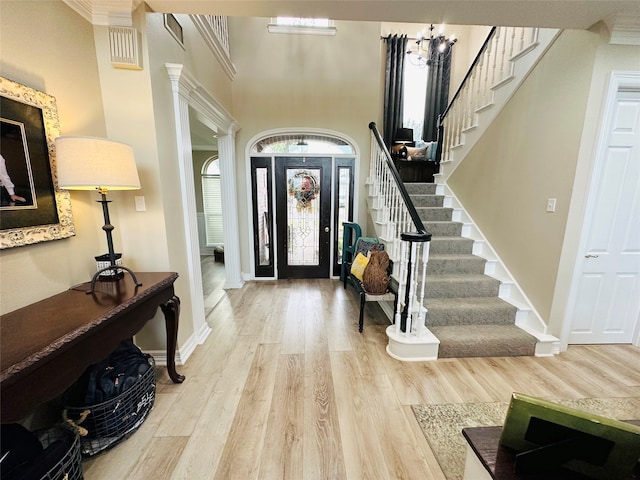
(352, 243)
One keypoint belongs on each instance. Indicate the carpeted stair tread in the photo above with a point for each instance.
(427, 200)
(443, 228)
(463, 308)
(469, 311)
(459, 286)
(440, 214)
(453, 245)
(455, 264)
(459, 341)
(421, 188)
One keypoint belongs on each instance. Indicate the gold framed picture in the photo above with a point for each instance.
(32, 207)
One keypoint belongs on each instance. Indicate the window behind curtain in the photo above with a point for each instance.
(415, 92)
(212, 199)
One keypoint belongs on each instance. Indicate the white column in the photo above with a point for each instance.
(227, 155)
(181, 87)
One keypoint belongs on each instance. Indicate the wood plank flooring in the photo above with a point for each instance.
(286, 388)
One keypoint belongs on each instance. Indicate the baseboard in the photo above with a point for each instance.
(182, 352)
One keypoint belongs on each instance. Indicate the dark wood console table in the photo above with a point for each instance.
(47, 345)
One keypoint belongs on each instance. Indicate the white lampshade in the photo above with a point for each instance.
(90, 163)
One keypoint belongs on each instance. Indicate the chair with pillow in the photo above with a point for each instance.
(356, 256)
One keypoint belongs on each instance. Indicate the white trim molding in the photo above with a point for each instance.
(251, 275)
(105, 12)
(189, 93)
(217, 48)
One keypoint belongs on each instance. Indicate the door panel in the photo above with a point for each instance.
(303, 216)
(607, 304)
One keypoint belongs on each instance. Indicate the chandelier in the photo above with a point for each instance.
(426, 51)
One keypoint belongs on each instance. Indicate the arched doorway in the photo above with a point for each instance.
(302, 190)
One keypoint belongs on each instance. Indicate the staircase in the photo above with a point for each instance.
(464, 310)
(467, 304)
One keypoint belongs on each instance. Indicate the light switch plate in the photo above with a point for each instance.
(140, 205)
(551, 205)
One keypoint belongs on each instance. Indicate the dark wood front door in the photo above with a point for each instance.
(303, 216)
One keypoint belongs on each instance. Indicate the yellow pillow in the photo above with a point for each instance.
(358, 266)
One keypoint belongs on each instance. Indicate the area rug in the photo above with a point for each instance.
(442, 424)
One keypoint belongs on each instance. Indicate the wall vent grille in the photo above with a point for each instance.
(124, 44)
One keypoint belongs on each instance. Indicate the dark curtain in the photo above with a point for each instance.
(393, 85)
(437, 94)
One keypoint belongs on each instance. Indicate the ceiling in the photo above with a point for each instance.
(578, 14)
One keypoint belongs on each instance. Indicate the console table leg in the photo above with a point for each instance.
(171, 310)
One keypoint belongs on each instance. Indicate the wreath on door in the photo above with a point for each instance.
(303, 186)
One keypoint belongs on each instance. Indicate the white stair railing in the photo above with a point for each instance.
(500, 66)
(406, 240)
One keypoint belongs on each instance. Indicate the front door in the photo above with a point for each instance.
(303, 216)
(607, 303)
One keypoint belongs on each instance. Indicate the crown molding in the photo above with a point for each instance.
(624, 29)
(105, 12)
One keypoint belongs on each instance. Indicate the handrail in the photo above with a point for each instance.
(415, 218)
(469, 72)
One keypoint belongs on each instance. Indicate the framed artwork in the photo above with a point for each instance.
(32, 208)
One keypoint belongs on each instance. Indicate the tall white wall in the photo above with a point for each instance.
(304, 81)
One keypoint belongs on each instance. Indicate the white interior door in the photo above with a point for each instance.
(607, 301)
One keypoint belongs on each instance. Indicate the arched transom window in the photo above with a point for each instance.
(302, 144)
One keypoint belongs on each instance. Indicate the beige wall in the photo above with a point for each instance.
(527, 155)
(304, 81)
(48, 47)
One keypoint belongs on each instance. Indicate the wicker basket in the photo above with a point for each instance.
(70, 465)
(110, 422)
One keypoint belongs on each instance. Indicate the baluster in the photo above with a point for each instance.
(480, 71)
(503, 54)
(454, 126)
(521, 42)
(411, 278)
(534, 35)
(458, 110)
(383, 196)
(468, 92)
(394, 216)
(485, 88)
(472, 98)
(456, 117)
(401, 287)
(425, 260)
(513, 41)
(446, 142)
(496, 45)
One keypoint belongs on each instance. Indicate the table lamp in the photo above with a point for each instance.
(403, 136)
(90, 163)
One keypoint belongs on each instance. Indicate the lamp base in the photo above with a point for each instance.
(96, 277)
(109, 274)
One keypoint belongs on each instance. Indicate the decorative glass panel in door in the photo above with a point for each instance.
(303, 216)
(343, 206)
(262, 216)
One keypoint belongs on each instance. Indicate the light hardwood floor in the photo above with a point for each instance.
(286, 388)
